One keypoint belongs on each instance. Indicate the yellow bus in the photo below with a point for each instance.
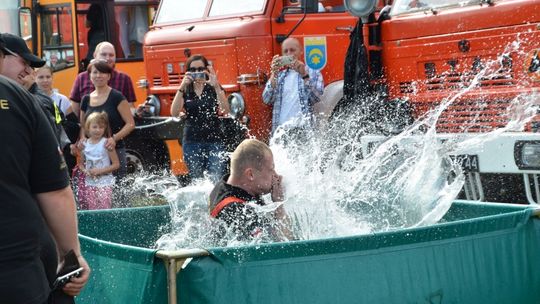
(57, 31)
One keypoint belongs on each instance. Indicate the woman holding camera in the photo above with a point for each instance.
(199, 100)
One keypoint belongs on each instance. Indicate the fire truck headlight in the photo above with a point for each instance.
(527, 154)
(360, 8)
(237, 105)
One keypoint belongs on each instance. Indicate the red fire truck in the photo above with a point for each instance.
(240, 38)
(419, 53)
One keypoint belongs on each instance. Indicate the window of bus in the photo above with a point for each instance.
(132, 20)
(10, 17)
(57, 36)
(178, 11)
(124, 28)
(235, 7)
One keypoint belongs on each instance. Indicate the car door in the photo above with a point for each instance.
(323, 32)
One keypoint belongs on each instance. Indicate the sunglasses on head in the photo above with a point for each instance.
(199, 69)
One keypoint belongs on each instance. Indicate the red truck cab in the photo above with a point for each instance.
(240, 39)
(483, 56)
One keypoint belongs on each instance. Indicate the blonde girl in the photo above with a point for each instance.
(98, 163)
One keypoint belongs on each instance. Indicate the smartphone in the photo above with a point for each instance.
(61, 281)
(70, 269)
(285, 60)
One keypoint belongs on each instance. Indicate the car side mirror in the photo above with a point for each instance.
(288, 10)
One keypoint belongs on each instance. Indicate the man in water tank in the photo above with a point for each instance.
(236, 200)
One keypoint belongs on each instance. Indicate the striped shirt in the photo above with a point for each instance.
(309, 92)
(119, 81)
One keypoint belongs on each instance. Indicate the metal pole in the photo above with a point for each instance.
(171, 281)
(173, 262)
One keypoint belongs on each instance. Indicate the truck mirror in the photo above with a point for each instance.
(360, 8)
(288, 10)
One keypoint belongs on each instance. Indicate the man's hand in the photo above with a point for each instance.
(299, 67)
(28, 80)
(277, 189)
(275, 64)
(74, 286)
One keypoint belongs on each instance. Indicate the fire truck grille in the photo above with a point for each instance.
(470, 116)
(157, 81)
(174, 79)
(496, 71)
(406, 87)
(457, 82)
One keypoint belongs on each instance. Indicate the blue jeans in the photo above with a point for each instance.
(204, 157)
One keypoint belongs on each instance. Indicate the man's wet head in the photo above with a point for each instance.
(252, 167)
(105, 50)
(19, 60)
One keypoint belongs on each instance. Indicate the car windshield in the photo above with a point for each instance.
(178, 11)
(175, 11)
(235, 7)
(407, 6)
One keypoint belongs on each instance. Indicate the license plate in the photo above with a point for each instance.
(468, 162)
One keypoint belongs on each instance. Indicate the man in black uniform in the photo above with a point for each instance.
(19, 66)
(252, 175)
(37, 208)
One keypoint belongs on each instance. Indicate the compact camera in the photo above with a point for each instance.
(285, 61)
(199, 75)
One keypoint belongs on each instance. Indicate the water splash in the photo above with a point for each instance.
(335, 188)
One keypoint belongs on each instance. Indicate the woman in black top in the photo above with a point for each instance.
(108, 100)
(199, 100)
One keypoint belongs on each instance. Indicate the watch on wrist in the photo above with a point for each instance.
(305, 76)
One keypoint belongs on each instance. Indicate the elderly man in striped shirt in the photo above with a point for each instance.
(293, 89)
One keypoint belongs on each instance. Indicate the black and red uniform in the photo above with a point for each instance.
(230, 204)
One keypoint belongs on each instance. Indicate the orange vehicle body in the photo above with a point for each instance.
(240, 47)
(412, 42)
(483, 53)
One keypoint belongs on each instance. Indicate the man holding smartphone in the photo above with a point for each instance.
(293, 89)
(37, 210)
